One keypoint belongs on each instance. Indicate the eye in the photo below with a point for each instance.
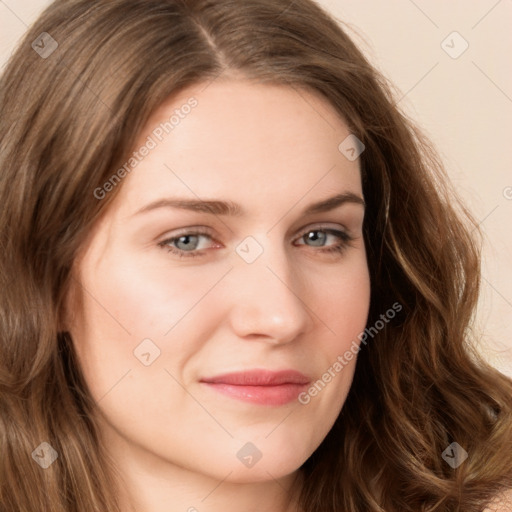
(318, 236)
(186, 245)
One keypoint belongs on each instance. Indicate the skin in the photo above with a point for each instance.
(273, 150)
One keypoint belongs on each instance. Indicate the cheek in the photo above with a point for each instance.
(131, 298)
(343, 309)
(131, 309)
(344, 306)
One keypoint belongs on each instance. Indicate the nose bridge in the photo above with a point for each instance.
(268, 300)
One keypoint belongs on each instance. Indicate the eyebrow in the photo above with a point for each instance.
(229, 208)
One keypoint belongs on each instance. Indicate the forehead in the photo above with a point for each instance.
(244, 141)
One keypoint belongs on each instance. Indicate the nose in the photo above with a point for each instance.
(269, 301)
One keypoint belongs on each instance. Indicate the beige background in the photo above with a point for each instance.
(464, 104)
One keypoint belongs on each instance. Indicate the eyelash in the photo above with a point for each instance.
(339, 248)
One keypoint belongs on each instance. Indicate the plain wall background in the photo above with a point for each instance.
(463, 104)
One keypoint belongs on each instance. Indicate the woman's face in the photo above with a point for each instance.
(202, 329)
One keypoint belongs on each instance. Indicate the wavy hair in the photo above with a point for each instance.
(70, 116)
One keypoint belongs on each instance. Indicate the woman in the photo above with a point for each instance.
(234, 275)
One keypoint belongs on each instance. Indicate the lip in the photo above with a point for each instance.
(262, 387)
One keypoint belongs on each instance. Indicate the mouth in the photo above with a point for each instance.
(261, 387)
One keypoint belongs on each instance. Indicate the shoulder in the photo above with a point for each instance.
(502, 503)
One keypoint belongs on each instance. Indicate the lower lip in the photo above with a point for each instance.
(263, 395)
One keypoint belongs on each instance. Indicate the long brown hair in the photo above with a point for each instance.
(75, 96)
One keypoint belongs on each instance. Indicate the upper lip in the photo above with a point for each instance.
(259, 378)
